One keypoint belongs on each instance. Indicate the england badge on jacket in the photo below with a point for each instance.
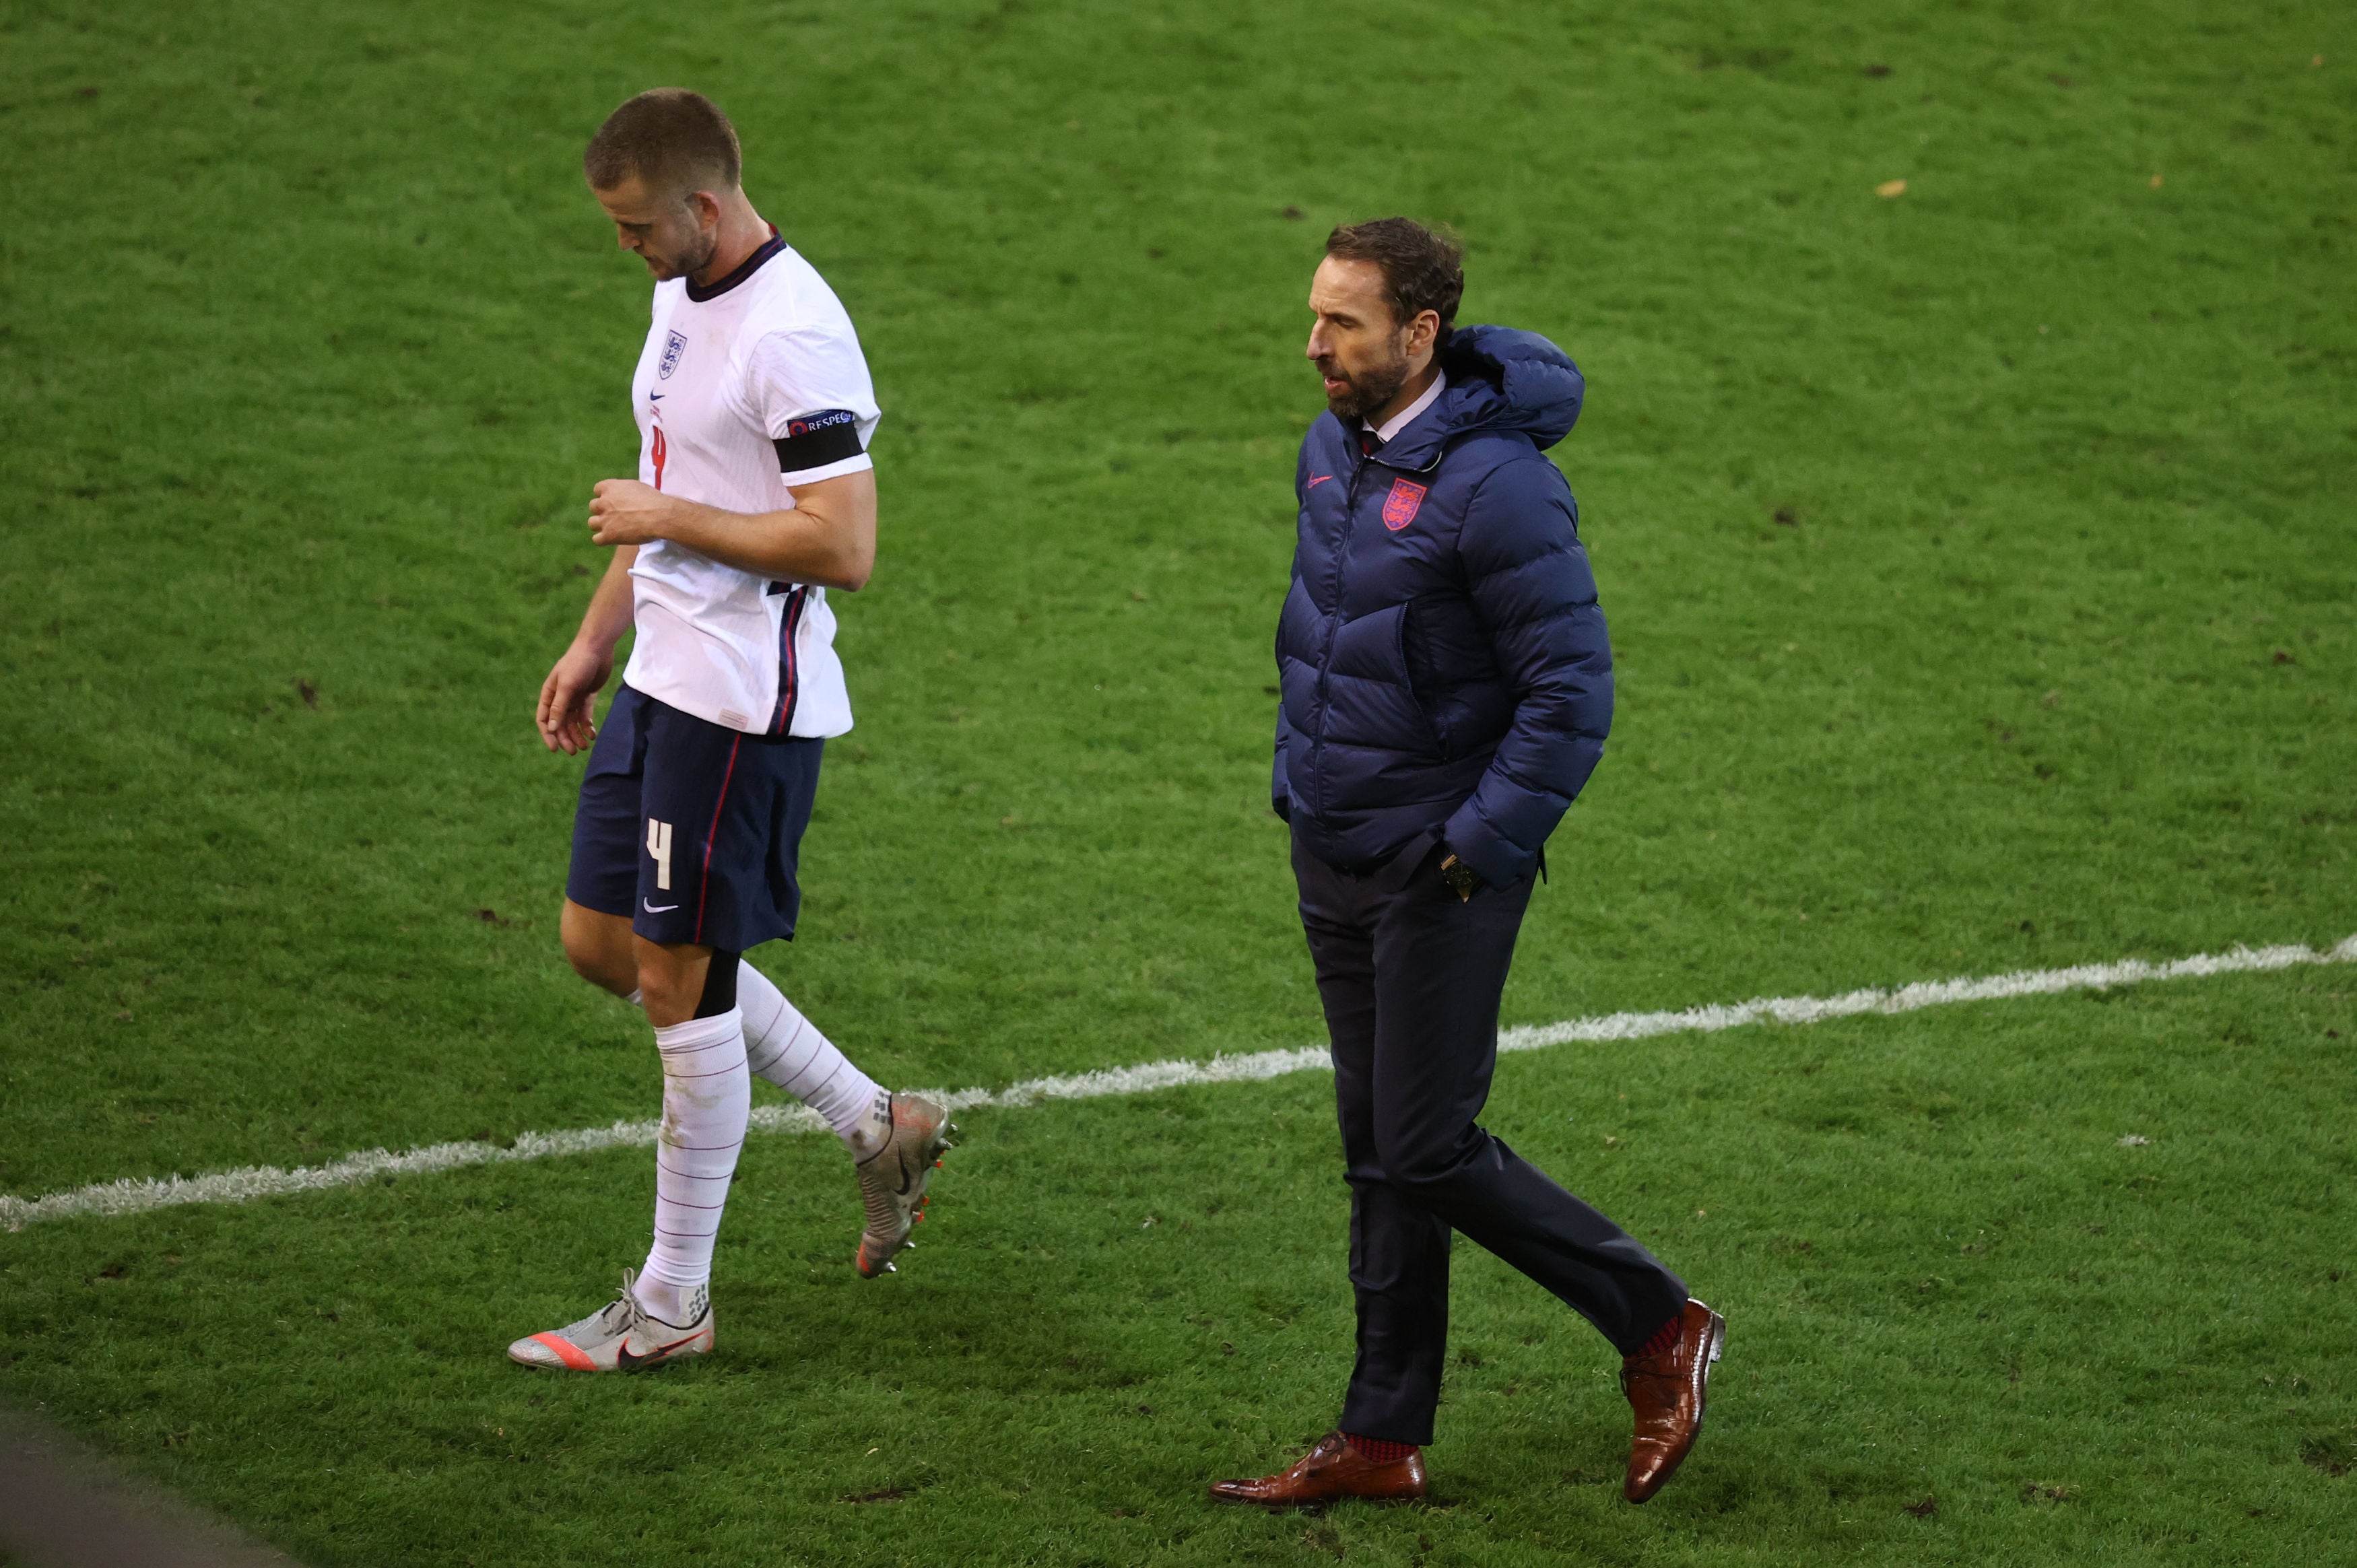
(1399, 506)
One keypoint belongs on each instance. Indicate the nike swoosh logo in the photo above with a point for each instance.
(657, 397)
(658, 909)
(1319, 480)
(624, 1360)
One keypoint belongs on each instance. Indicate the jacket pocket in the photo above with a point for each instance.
(1372, 699)
(1435, 738)
(1418, 658)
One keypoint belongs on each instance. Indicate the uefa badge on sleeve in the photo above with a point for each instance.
(1399, 506)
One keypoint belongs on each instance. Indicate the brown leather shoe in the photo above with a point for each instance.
(1667, 1391)
(1328, 1474)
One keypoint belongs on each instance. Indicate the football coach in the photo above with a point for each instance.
(1446, 687)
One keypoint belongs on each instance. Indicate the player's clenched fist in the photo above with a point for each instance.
(625, 511)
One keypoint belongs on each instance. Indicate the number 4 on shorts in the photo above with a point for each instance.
(659, 846)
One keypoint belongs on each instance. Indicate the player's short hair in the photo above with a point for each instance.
(674, 140)
(1423, 269)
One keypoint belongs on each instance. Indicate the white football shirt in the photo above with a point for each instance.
(745, 388)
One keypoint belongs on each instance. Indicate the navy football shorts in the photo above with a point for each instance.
(690, 827)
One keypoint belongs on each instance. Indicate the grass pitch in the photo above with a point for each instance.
(1980, 571)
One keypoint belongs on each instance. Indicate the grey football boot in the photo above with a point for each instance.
(898, 1150)
(620, 1336)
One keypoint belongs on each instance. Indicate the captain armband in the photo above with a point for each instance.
(814, 440)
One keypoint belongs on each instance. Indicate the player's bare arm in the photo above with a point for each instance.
(827, 537)
(567, 697)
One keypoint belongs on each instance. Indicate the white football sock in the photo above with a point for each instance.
(706, 1097)
(787, 1049)
(682, 1306)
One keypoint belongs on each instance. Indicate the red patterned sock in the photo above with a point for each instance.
(1668, 1338)
(1380, 1450)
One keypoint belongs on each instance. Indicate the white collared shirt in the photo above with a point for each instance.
(1399, 421)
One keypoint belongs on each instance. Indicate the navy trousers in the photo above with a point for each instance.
(1411, 977)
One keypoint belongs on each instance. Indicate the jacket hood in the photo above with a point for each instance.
(1499, 379)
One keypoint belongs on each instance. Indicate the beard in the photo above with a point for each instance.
(692, 259)
(1368, 390)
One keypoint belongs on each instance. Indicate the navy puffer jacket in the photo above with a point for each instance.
(1442, 656)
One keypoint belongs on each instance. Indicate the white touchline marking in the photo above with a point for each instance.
(134, 1196)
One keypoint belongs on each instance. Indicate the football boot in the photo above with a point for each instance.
(898, 1151)
(620, 1336)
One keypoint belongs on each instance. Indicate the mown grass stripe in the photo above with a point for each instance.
(137, 1195)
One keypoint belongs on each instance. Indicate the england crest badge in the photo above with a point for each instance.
(1399, 506)
(674, 345)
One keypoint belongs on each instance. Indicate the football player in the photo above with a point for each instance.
(755, 496)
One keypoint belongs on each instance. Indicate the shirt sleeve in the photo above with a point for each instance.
(816, 404)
